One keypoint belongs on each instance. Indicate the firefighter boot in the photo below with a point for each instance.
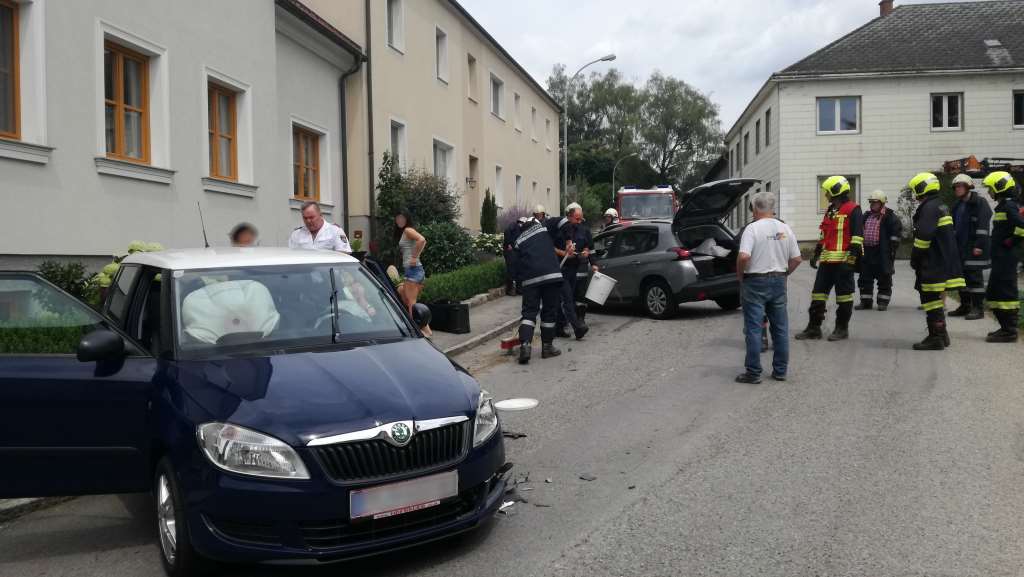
(843, 315)
(816, 315)
(1007, 332)
(865, 304)
(977, 308)
(965, 305)
(549, 350)
(525, 352)
(935, 340)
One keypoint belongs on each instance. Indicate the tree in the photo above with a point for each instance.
(489, 214)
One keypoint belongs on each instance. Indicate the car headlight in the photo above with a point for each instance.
(486, 419)
(247, 452)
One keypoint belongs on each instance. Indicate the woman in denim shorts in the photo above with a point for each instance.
(410, 243)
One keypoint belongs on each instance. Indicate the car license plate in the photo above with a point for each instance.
(404, 497)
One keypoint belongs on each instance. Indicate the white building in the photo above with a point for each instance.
(919, 85)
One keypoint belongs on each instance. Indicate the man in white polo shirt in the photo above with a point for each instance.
(768, 254)
(316, 233)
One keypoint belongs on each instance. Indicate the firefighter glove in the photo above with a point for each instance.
(816, 256)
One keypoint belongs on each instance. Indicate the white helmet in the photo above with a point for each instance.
(572, 207)
(612, 213)
(963, 179)
(539, 209)
(879, 196)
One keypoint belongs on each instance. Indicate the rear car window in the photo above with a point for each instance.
(38, 319)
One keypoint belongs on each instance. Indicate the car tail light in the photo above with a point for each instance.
(681, 253)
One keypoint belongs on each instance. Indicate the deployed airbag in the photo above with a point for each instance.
(218, 309)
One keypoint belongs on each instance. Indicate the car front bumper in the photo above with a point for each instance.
(246, 520)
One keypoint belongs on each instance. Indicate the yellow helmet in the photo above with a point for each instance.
(1000, 182)
(879, 196)
(924, 183)
(836, 186)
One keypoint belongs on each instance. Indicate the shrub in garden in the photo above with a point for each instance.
(489, 244)
(513, 213)
(448, 248)
(69, 276)
(489, 214)
(464, 283)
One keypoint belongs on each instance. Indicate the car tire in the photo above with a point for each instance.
(179, 557)
(729, 303)
(658, 301)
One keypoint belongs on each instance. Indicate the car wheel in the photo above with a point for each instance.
(729, 303)
(658, 301)
(179, 558)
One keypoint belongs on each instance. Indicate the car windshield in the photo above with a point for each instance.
(646, 206)
(235, 311)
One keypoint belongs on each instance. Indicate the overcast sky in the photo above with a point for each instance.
(725, 48)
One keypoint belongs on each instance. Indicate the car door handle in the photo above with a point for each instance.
(635, 263)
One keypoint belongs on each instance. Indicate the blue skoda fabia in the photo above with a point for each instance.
(280, 405)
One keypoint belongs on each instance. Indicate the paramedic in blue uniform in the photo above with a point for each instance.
(571, 247)
(316, 233)
(541, 280)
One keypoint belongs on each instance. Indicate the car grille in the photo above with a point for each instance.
(377, 459)
(338, 532)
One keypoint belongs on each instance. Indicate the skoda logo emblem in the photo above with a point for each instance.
(400, 433)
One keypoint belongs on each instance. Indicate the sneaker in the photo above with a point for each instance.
(749, 379)
(780, 378)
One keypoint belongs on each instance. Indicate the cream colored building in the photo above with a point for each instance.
(445, 97)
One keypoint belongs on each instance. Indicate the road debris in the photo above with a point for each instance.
(508, 508)
(542, 505)
(512, 435)
(588, 477)
(548, 480)
(631, 487)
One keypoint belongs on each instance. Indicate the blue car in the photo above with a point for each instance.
(281, 406)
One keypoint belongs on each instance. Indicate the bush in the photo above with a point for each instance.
(71, 277)
(448, 248)
(489, 214)
(55, 340)
(464, 283)
(490, 244)
(511, 214)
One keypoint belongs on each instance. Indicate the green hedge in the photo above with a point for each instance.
(464, 283)
(41, 340)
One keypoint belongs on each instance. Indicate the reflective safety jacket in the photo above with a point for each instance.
(841, 227)
(973, 232)
(536, 262)
(936, 256)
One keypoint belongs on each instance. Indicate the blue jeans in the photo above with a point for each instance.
(765, 296)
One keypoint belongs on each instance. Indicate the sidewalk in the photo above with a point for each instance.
(486, 321)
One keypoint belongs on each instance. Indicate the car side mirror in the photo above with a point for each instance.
(421, 315)
(100, 345)
(599, 253)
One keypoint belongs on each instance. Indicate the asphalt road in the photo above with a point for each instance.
(872, 460)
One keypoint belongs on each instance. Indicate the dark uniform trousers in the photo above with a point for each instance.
(541, 299)
(874, 268)
(1002, 294)
(567, 308)
(840, 277)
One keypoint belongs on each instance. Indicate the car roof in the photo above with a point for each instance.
(229, 257)
(659, 222)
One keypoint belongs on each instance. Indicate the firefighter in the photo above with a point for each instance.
(882, 232)
(840, 247)
(934, 258)
(611, 218)
(541, 283)
(572, 246)
(1007, 231)
(972, 217)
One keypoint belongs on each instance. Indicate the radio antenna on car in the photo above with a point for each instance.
(202, 224)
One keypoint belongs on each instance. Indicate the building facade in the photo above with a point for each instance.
(879, 107)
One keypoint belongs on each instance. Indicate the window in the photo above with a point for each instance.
(635, 241)
(9, 78)
(441, 55)
(499, 189)
(398, 142)
(854, 191)
(471, 78)
(533, 191)
(768, 128)
(547, 133)
(739, 158)
(119, 301)
(947, 111)
(37, 319)
(839, 115)
(768, 186)
(443, 160)
(497, 97)
(757, 137)
(126, 92)
(396, 24)
(515, 112)
(306, 162)
(533, 123)
(519, 189)
(1018, 109)
(223, 132)
(746, 149)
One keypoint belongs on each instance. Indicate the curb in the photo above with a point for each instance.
(481, 338)
(14, 508)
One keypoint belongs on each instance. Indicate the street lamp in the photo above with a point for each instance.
(565, 128)
(614, 168)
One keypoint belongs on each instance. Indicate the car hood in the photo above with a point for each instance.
(300, 396)
(711, 202)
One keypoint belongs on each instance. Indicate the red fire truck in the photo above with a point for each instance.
(659, 202)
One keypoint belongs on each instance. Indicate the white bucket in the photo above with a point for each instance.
(600, 287)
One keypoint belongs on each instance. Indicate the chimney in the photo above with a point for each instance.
(885, 8)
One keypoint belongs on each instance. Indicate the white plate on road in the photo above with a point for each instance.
(405, 497)
(511, 405)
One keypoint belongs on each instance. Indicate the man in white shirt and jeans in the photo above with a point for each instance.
(768, 254)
